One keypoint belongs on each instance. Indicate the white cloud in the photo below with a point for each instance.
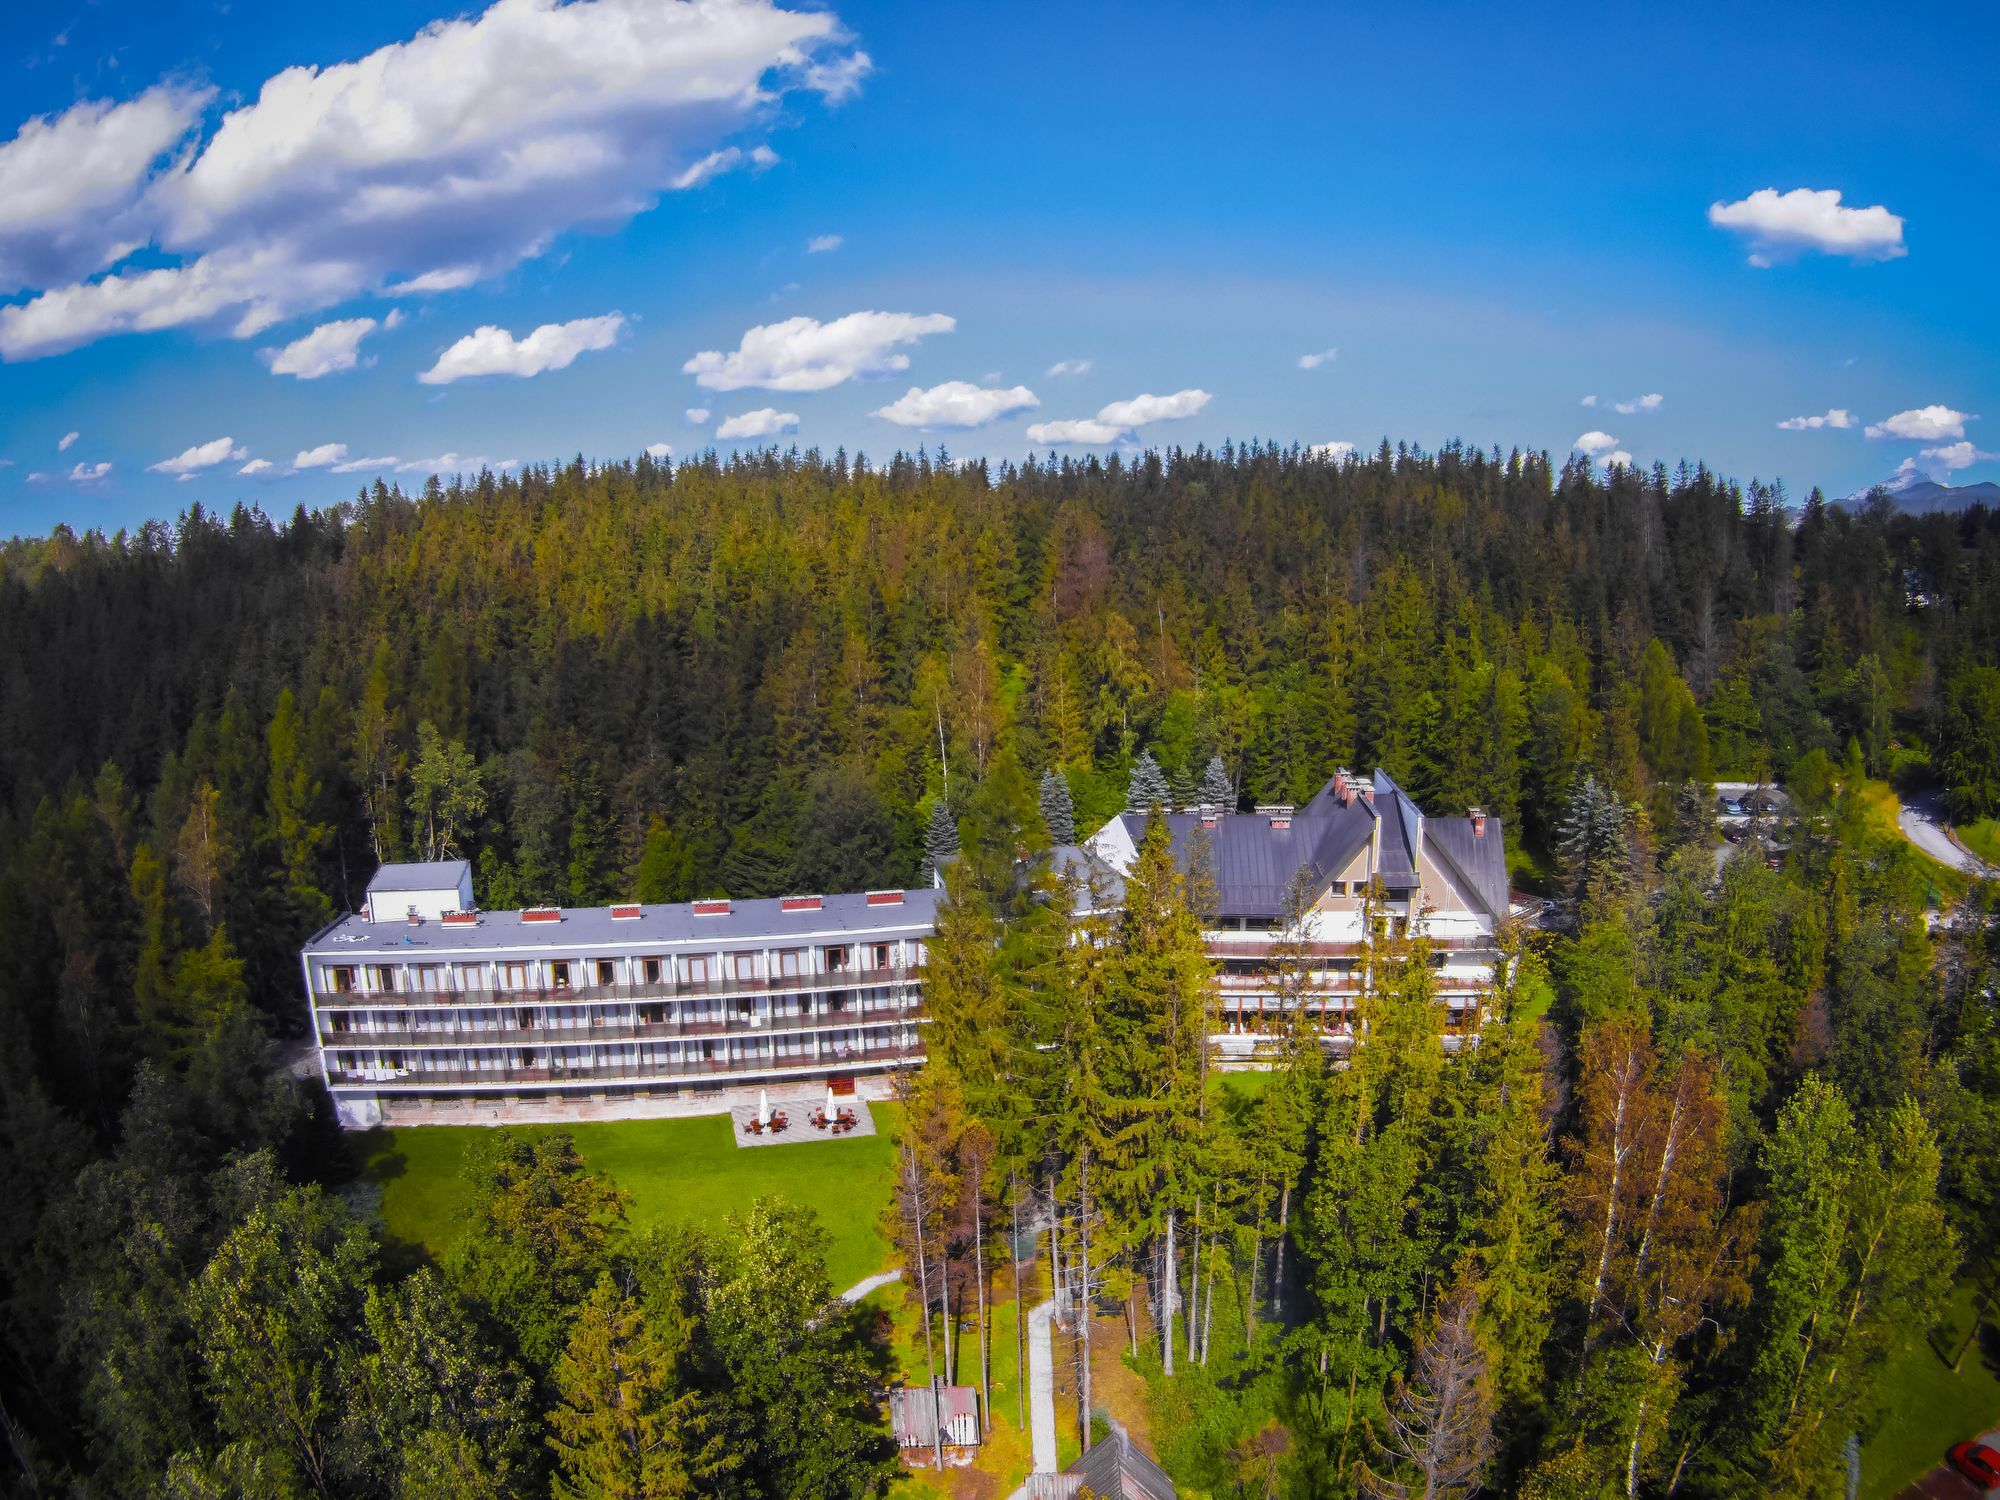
(956, 403)
(1314, 361)
(328, 349)
(1618, 458)
(494, 351)
(659, 450)
(820, 244)
(257, 466)
(365, 465)
(191, 461)
(6, 463)
(324, 456)
(88, 473)
(68, 438)
(1637, 404)
(1780, 225)
(764, 422)
(1593, 443)
(698, 416)
(37, 478)
(1334, 451)
(1070, 367)
(804, 354)
(69, 183)
(444, 463)
(1924, 424)
(1119, 418)
(437, 161)
(1953, 456)
(1838, 417)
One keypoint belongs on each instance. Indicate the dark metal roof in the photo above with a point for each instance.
(1255, 863)
(1117, 1470)
(1479, 860)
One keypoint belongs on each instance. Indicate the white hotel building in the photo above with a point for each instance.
(420, 1002)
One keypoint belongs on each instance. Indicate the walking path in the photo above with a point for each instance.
(868, 1284)
(1042, 1386)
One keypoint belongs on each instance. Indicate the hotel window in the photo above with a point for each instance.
(1338, 888)
(340, 980)
(607, 972)
(878, 956)
(384, 976)
(430, 977)
(746, 966)
(513, 976)
(559, 973)
(695, 970)
(788, 962)
(652, 971)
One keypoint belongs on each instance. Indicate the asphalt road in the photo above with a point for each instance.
(1924, 825)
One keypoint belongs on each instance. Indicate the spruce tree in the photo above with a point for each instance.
(940, 839)
(1215, 788)
(620, 1429)
(1058, 808)
(1148, 788)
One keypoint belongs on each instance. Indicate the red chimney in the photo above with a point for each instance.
(1478, 816)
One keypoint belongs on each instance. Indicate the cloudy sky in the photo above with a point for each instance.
(245, 255)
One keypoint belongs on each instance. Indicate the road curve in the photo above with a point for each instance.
(1924, 825)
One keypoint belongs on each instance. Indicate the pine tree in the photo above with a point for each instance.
(1594, 843)
(1216, 790)
(1148, 787)
(1058, 808)
(940, 839)
(620, 1429)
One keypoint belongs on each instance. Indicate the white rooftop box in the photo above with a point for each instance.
(423, 891)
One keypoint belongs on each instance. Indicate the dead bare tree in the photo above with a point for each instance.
(1438, 1431)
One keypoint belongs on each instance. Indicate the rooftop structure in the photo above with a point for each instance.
(1372, 866)
(422, 998)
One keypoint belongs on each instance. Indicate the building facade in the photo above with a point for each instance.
(422, 997)
(1370, 867)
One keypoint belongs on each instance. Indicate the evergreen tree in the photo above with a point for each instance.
(1593, 842)
(621, 1429)
(1147, 788)
(1216, 789)
(940, 839)
(1058, 810)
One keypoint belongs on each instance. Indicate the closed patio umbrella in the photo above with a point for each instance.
(763, 1109)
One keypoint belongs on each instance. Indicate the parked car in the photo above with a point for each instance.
(1978, 1463)
(1731, 808)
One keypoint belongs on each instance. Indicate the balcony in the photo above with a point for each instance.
(592, 994)
(670, 1074)
(584, 1036)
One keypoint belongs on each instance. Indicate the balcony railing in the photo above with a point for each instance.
(664, 1073)
(585, 1036)
(591, 994)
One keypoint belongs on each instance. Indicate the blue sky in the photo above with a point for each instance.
(1475, 221)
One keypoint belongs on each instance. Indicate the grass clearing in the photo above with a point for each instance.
(676, 1171)
(1929, 1408)
(1982, 838)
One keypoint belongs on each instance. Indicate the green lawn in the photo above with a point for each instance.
(674, 1170)
(1929, 1407)
(1245, 1084)
(1982, 838)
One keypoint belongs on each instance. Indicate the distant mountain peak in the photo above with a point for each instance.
(1916, 495)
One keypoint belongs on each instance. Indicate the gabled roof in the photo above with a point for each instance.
(1118, 1471)
(1254, 862)
(422, 875)
(1478, 860)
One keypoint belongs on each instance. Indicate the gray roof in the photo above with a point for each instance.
(1093, 873)
(1480, 860)
(422, 875)
(1255, 863)
(594, 928)
(1117, 1470)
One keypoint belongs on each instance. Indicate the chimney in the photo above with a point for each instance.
(885, 898)
(1210, 814)
(541, 914)
(1478, 816)
(414, 917)
(1342, 792)
(798, 903)
(1280, 814)
(461, 919)
(625, 911)
(716, 908)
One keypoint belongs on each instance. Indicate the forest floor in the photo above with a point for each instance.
(1006, 1455)
(676, 1171)
(1929, 1407)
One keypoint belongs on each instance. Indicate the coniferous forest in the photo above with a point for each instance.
(1726, 1145)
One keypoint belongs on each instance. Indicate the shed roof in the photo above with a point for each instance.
(1117, 1470)
(422, 875)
